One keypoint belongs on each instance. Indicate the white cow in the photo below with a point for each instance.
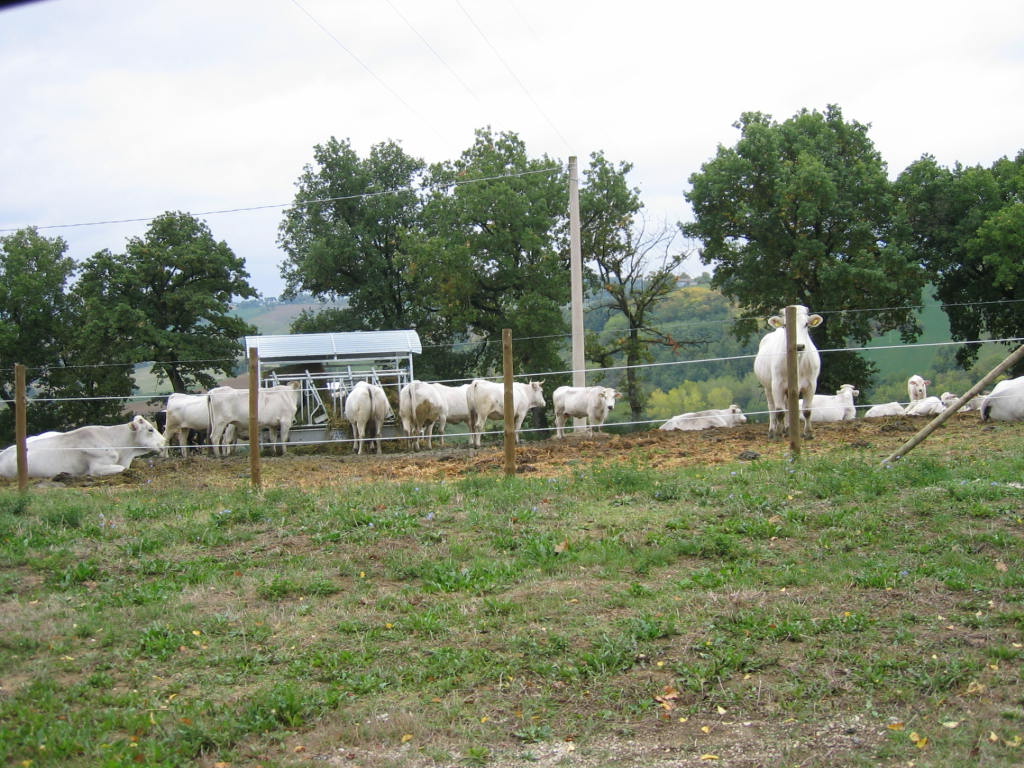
(917, 388)
(930, 406)
(93, 450)
(486, 400)
(837, 407)
(713, 417)
(366, 409)
(1005, 402)
(590, 403)
(884, 409)
(421, 405)
(948, 398)
(185, 412)
(229, 407)
(456, 407)
(770, 369)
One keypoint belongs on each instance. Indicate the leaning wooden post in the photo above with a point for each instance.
(509, 403)
(20, 426)
(792, 381)
(254, 418)
(935, 423)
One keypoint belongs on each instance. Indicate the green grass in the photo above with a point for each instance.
(851, 613)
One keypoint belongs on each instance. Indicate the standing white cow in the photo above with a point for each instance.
(486, 400)
(884, 409)
(590, 403)
(770, 369)
(917, 388)
(1005, 402)
(421, 405)
(456, 406)
(229, 407)
(713, 417)
(837, 407)
(366, 409)
(93, 450)
(186, 412)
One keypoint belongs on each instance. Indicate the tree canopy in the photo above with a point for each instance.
(167, 299)
(967, 226)
(802, 212)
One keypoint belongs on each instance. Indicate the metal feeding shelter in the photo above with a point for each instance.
(328, 365)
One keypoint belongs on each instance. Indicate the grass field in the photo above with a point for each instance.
(825, 612)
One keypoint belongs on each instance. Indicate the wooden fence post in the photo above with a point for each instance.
(792, 381)
(21, 426)
(509, 403)
(254, 419)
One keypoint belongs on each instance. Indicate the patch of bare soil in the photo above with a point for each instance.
(330, 466)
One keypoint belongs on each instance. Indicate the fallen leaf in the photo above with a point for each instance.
(406, 737)
(1001, 566)
(706, 728)
(561, 547)
(722, 710)
(896, 726)
(951, 724)
(993, 737)
(709, 757)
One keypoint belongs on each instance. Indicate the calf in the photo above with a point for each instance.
(837, 407)
(929, 406)
(770, 369)
(590, 403)
(92, 450)
(884, 409)
(697, 420)
(917, 388)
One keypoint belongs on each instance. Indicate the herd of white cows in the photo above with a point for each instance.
(426, 407)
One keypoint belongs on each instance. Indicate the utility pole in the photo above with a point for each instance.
(579, 376)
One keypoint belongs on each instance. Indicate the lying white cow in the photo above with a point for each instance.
(93, 450)
(917, 388)
(714, 417)
(1005, 402)
(837, 407)
(421, 405)
(229, 407)
(884, 409)
(185, 412)
(590, 403)
(770, 369)
(930, 406)
(948, 398)
(486, 400)
(367, 408)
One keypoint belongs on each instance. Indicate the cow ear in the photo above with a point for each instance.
(814, 321)
(135, 423)
(776, 321)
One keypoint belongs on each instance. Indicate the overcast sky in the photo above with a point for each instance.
(121, 109)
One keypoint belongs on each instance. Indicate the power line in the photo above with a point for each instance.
(363, 64)
(294, 204)
(431, 48)
(514, 75)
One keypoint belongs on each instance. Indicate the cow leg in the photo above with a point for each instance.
(559, 424)
(773, 424)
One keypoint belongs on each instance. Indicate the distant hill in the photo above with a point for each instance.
(271, 316)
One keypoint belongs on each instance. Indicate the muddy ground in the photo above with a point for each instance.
(336, 465)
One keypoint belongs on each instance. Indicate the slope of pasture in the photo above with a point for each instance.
(650, 599)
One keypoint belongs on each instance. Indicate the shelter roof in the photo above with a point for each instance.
(349, 345)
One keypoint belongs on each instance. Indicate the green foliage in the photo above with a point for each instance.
(802, 212)
(966, 226)
(168, 299)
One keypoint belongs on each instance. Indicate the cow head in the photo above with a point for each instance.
(145, 435)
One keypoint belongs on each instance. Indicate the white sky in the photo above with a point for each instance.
(121, 109)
